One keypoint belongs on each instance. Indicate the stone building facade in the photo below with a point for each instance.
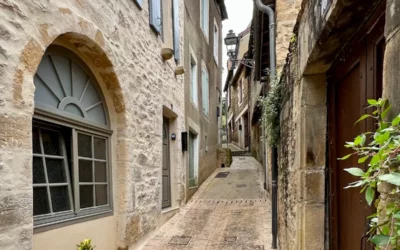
(339, 55)
(238, 96)
(203, 66)
(75, 72)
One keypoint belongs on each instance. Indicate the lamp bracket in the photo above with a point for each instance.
(246, 62)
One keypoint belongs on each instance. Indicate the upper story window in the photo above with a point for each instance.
(205, 91)
(70, 138)
(204, 16)
(176, 29)
(193, 81)
(216, 42)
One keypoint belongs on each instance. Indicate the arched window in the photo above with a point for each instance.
(70, 138)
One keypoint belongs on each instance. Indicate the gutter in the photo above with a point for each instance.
(266, 9)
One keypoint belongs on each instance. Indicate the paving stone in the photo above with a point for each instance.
(218, 217)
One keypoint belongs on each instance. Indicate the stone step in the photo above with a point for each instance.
(241, 153)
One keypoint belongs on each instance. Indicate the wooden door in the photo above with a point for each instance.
(166, 171)
(352, 82)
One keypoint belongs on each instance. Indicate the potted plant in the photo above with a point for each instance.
(85, 245)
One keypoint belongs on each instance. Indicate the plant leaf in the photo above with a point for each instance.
(363, 139)
(354, 184)
(370, 195)
(372, 101)
(393, 178)
(363, 159)
(380, 240)
(362, 118)
(355, 171)
(345, 157)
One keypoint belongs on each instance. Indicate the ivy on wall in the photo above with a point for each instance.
(270, 119)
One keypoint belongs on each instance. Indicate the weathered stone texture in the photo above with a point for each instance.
(301, 156)
(287, 12)
(115, 40)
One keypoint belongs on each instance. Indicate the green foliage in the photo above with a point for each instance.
(85, 245)
(381, 151)
(270, 118)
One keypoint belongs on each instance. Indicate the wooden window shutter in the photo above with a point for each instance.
(176, 30)
(155, 15)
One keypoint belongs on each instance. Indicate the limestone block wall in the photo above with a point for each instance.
(115, 40)
(287, 12)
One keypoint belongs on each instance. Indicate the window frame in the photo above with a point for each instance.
(216, 42)
(205, 17)
(39, 221)
(204, 72)
(194, 95)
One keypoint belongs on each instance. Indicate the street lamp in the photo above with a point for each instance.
(231, 42)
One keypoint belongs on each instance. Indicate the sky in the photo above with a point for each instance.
(239, 16)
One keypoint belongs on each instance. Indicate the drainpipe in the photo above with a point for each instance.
(271, 15)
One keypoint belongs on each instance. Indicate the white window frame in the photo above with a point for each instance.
(205, 17)
(216, 42)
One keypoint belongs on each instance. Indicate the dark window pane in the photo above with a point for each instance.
(99, 148)
(100, 171)
(101, 195)
(35, 141)
(84, 145)
(60, 198)
(40, 201)
(85, 171)
(51, 142)
(55, 170)
(38, 170)
(86, 195)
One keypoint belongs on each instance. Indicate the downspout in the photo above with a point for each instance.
(272, 47)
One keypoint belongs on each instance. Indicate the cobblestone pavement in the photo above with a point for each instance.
(231, 213)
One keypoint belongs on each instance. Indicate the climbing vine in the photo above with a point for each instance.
(381, 150)
(270, 119)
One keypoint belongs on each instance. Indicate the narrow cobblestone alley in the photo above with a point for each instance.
(230, 211)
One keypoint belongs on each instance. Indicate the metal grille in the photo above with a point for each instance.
(222, 175)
